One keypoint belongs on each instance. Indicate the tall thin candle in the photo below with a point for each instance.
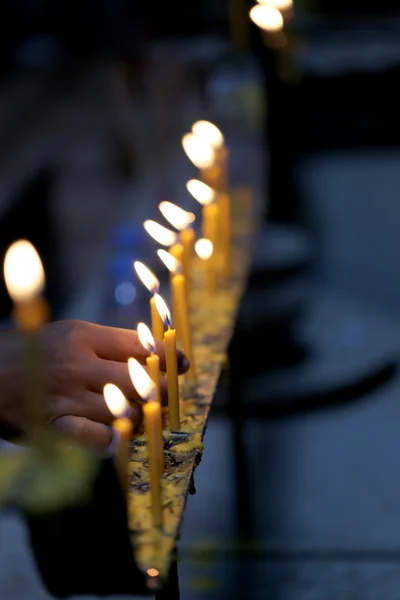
(151, 282)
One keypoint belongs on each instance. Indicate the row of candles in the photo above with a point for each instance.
(25, 280)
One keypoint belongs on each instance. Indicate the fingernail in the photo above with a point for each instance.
(184, 363)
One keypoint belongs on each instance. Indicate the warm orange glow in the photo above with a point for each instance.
(200, 191)
(209, 133)
(279, 4)
(23, 271)
(163, 310)
(203, 248)
(146, 276)
(142, 382)
(115, 400)
(199, 152)
(161, 234)
(153, 572)
(173, 265)
(146, 338)
(266, 17)
(175, 215)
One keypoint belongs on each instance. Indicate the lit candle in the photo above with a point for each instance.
(25, 280)
(153, 360)
(206, 196)
(270, 20)
(153, 427)
(285, 7)
(165, 237)
(204, 250)
(201, 155)
(179, 307)
(151, 282)
(209, 133)
(172, 366)
(181, 220)
(122, 426)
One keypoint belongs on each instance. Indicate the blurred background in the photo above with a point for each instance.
(297, 492)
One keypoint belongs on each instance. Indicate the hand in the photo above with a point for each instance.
(79, 359)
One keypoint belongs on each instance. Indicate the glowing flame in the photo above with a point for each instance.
(279, 4)
(209, 133)
(199, 152)
(203, 248)
(163, 310)
(153, 572)
(115, 400)
(161, 234)
(23, 271)
(175, 215)
(200, 191)
(170, 261)
(146, 276)
(266, 17)
(141, 380)
(146, 338)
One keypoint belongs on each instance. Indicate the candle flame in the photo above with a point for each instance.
(141, 380)
(23, 271)
(204, 248)
(266, 17)
(146, 276)
(146, 338)
(173, 265)
(161, 234)
(115, 400)
(209, 133)
(279, 4)
(175, 215)
(163, 311)
(200, 191)
(199, 152)
(153, 572)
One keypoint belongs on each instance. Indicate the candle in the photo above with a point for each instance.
(200, 153)
(285, 7)
(209, 133)
(25, 279)
(172, 367)
(204, 250)
(165, 237)
(179, 307)
(270, 20)
(181, 220)
(151, 282)
(206, 196)
(122, 426)
(152, 424)
(153, 360)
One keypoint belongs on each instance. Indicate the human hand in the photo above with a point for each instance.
(79, 359)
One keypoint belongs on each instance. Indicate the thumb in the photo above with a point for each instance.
(87, 432)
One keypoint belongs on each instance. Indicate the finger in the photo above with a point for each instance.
(113, 343)
(92, 405)
(107, 371)
(85, 431)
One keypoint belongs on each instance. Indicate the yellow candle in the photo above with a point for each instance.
(179, 302)
(225, 234)
(221, 160)
(152, 425)
(211, 218)
(177, 252)
(153, 369)
(172, 380)
(118, 406)
(187, 238)
(157, 326)
(172, 366)
(204, 250)
(25, 280)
